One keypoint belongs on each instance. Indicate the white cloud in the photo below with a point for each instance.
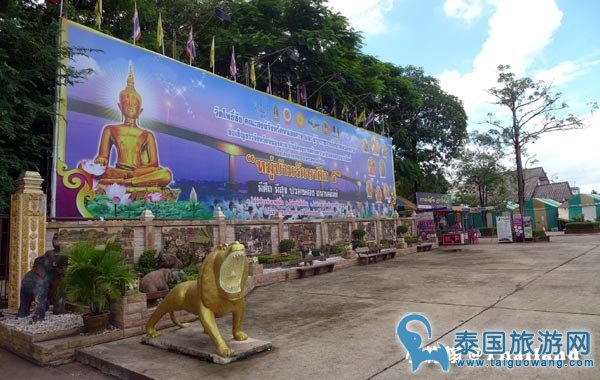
(367, 16)
(465, 10)
(518, 33)
(565, 71)
(571, 155)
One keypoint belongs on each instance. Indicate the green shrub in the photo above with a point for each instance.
(578, 218)
(385, 243)
(191, 273)
(358, 234)
(268, 259)
(538, 233)
(337, 249)
(488, 231)
(286, 245)
(411, 240)
(147, 262)
(582, 225)
(316, 252)
(358, 244)
(401, 230)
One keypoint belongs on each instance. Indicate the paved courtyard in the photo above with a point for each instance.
(342, 325)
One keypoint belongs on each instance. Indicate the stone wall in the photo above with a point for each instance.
(261, 237)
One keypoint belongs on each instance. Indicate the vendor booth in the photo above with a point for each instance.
(543, 212)
(581, 206)
(453, 225)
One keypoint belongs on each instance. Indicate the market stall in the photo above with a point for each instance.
(581, 206)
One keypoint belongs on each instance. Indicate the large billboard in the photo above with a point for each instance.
(143, 131)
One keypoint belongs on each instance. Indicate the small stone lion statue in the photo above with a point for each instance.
(219, 290)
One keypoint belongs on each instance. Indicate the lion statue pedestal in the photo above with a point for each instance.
(218, 291)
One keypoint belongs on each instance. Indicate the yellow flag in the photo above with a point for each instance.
(362, 117)
(252, 75)
(98, 13)
(344, 109)
(212, 54)
(319, 101)
(160, 34)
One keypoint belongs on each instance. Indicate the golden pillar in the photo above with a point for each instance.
(27, 231)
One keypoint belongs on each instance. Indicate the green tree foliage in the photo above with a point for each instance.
(302, 41)
(29, 60)
(480, 175)
(534, 110)
(429, 129)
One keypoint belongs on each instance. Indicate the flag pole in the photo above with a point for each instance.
(269, 74)
(173, 43)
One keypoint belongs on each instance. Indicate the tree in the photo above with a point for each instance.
(428, 127)
(534, 109)
(480, 176)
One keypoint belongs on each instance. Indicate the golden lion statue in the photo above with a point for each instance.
(219, 290)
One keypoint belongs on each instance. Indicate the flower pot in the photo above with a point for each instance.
(95, 322)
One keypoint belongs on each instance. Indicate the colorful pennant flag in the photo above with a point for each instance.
(190, 47)
(137, 31)
(160, 34)
(354, 115)
(98, 13)
(302, 94)
(362, 117)
(319, 101)
(289, 84)
(233, 65)
(370, 119)
(212, 55)
(252, 75)
(333, 109)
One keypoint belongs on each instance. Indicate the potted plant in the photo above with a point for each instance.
(400, 231)
(94, 276)
(358, 237)
(286, 245)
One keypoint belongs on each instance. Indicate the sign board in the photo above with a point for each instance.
(504, 229)
(518, 227)
(425, 224)
(527, 227)
(429, 201)
(143, 131)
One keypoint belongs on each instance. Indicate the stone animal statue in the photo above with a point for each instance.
(168, 260)
(157, 280)
(219, 290)
(41, 284)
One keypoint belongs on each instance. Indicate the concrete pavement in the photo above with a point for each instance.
(341, 325)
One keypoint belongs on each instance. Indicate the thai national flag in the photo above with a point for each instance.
(137, 31)
(232, 65)
(190, 47)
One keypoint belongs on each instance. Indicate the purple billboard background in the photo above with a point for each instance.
(251, 154)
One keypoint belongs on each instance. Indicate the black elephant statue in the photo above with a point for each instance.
(42, 283)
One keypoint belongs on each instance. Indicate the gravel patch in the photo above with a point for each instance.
(50, 323)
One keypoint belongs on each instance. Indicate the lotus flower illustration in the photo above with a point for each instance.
(92, 167)
(154, 197)
(118, 194)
